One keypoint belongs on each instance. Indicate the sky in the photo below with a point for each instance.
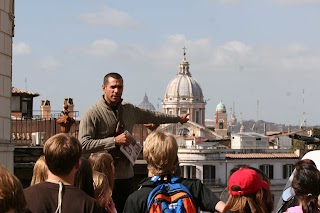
(260, 58)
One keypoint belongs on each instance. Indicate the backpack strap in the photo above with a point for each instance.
(171, 179)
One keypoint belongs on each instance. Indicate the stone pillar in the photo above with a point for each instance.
(6, 34)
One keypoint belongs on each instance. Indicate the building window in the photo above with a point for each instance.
(267, 169)
(197, 117)
(183, 111)
(209, 175)
(188, 171)
(287, 170)
(24, 109)
(209, 172)
(221, 124)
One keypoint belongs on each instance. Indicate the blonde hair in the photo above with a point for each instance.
(160, 150)
(100, 184)
(40, 171)
(11, 192)
(102, 162)
(244, 204)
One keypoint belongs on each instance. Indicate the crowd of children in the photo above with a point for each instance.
(64, 181)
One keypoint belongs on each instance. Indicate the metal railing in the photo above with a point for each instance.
(213, 182)
(35, 130)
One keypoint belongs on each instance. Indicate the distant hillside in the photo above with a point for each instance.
(261, 126)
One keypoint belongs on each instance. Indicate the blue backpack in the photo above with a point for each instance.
(169, 197)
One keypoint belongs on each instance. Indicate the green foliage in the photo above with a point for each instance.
(297, 144)
(316, 132)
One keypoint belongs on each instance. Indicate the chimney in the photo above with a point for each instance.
(45, 109)
(69, 103)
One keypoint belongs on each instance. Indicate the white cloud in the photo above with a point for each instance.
(103, 47)
(21, 48)
(236, 47)
(49, 64)
(296, 48)
(110, 17)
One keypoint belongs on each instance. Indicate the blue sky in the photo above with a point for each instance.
(262, 56)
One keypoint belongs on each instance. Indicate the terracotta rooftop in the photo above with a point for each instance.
(261, 155)
(21, 91)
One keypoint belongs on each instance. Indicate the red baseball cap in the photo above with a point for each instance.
(248, 180)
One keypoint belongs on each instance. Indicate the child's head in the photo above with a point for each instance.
(248, 192)
(306, 185)
(62, 153)
(160, 150)
(103, 162)
(40, 171)
(102, 190)
(11, 193)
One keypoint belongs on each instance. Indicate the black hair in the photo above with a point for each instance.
(112, 75)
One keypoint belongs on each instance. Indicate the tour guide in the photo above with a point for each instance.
(102, 128)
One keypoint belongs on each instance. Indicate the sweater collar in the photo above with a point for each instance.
(108, 106)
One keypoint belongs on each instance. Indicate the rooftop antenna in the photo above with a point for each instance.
(304, 117)
(234, 108)
(26, 83)
(257, 110)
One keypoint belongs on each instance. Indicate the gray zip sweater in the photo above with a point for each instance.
(98, 124)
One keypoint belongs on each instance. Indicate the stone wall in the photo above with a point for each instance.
(6, 34)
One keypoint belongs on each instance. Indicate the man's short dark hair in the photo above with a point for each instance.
(112, 75)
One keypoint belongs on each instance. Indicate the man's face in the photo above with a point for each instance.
(113, 91)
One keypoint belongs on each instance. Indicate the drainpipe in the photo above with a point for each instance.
(226, 172)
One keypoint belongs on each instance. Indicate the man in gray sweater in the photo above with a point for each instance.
(102, 128)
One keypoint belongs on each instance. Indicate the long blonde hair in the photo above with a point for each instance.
(40, 171)
(103, 162)
(100, 183)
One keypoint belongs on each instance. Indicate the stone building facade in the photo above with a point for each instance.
(6, 34)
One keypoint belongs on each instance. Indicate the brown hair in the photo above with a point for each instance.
(160, 150)
(259, 202)
(11, 192)
(62, 152)
(83, 177)
(306, 185)
(103, 162)
(40, 171)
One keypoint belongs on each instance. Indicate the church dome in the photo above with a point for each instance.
(221, 107)
(183, 86)
(145, 104)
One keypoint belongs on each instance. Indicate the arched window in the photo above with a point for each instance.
(221, 124)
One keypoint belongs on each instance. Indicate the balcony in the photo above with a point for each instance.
(33, 131)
